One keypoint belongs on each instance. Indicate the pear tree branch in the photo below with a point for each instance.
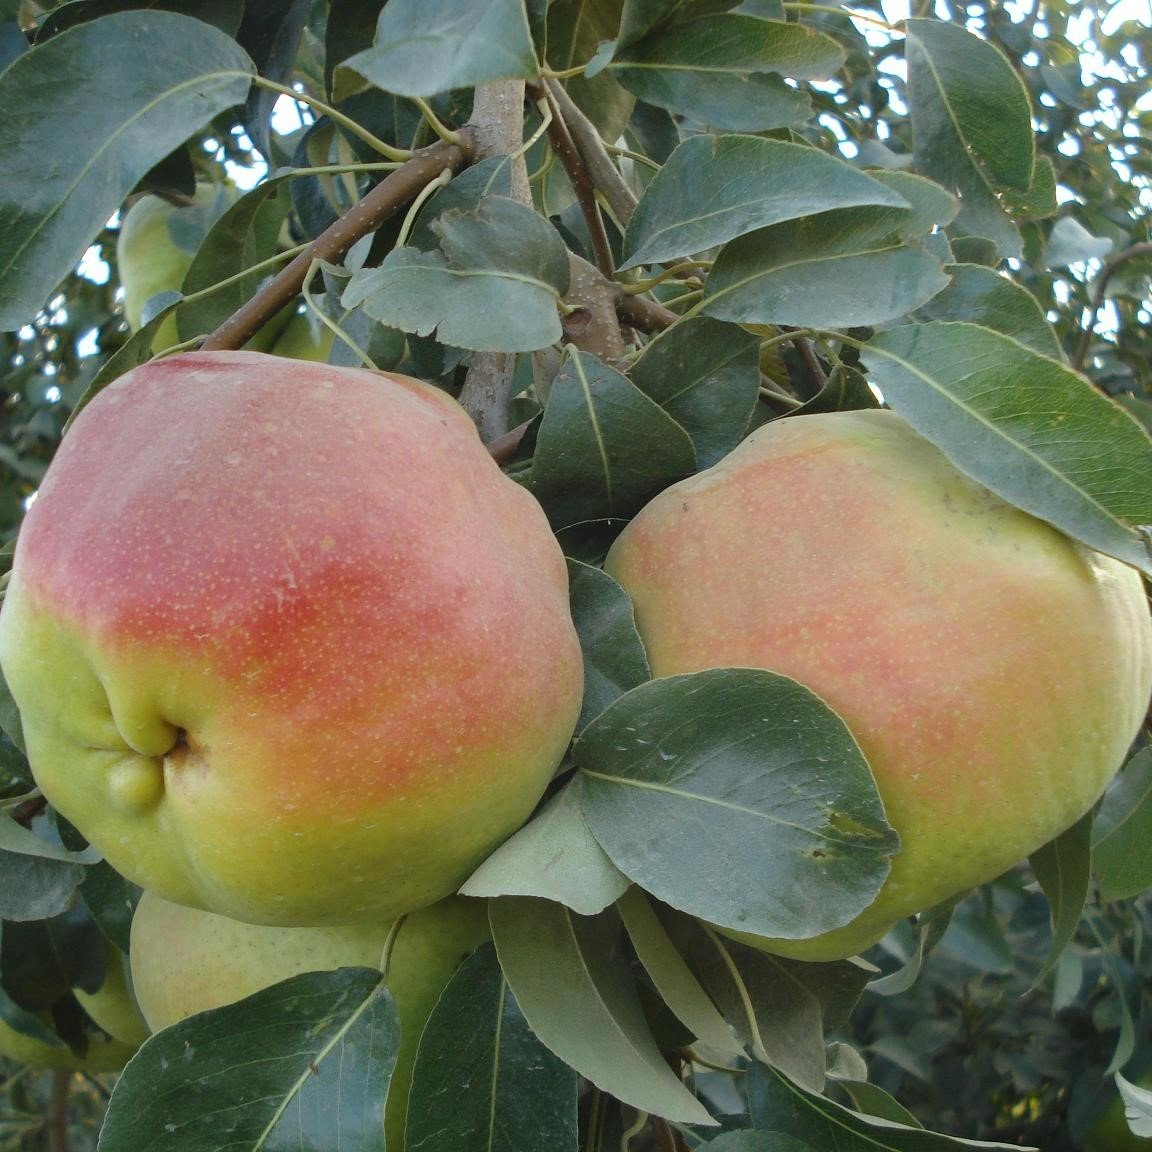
(497, 124)
(383, 201)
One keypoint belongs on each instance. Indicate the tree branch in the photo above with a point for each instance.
(565, 148)
(1110, 269)
(605, 175)
(391, 194)
(497, 124)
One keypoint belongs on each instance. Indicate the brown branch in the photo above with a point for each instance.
(605, 175)
(383, 201)
(565, 148)
(647, 315)
(56, 1124)
(497, 124)
(1144, 248)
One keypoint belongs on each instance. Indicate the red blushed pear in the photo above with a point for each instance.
(993, 670)
(286, 643)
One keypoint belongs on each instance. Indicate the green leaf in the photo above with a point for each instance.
(1063, 868)
(737, 44)
(464, 193)
(554, 857)
(726, 69)
(16, 838)
(706, 376)
(572, 982)
(713, 189)
(765, 782)
(779, 1106)
(1122, 836)
(243, 236)
(873, 1100)
(971, 124)
(614, 656)
(671, 976)
(749, 1141)
(839, 269)
(224, 14)
(112, 901)
(282, 1070)
(780, 1008)
(482, 1081)
(423, 49)
(604, 448)
(34, 887)
(494, 286)
(1024, 426)
(150, 80)
(576, 28)
(978, 295)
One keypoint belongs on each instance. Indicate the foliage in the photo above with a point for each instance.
(732, 212)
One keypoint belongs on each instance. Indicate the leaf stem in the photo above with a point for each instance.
(337, 117)
(418, 202)
(435, 123)
(1144, 248)
(799, 6)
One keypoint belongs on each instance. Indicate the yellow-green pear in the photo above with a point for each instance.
(185, 961)
(993, 670)
(303, 338)
(286, 643)
(155, 248)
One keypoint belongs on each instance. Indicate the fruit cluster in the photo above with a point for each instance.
(296, 656)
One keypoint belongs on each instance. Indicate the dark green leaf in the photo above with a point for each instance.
(1063, 867)
(112, 901)
(735, 44)
(571, 979)
(713, 189)
(282, 1070)
(150, 80)
(978, 295)
(35, 887)
(464, 193)
(494, 286)
(761, 777)
(779, 1106)
(421, 49)
(244, 235)
(671, 976)
(705, 375)
(835, 270)
(1122, 836)
(270, 33)
(482, 1081)
(614, 656)
(44, 959)
(780, 1008)
(224, 14)
(555, 857)
(1024, 426)
(971, 124)
(604, 448)
(749, 1141)
(576, 28)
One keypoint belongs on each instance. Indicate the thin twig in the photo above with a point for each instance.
(605, 175)
(57, 1117)
(388, 197)
(565, 147)
(1144, 248)
(647, 315)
